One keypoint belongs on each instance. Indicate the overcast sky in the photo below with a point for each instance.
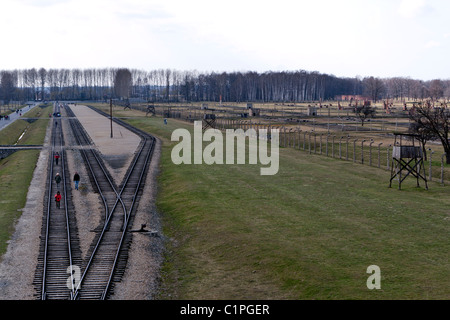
(347, 38)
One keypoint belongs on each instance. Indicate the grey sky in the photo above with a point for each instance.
(383, 38)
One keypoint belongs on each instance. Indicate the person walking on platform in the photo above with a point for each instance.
(57, 156)
(58, 199)
(76, 179)
(57, 180)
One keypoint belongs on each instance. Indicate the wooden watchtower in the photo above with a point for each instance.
(407, 158)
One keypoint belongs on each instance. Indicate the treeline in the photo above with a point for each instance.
(167, 85)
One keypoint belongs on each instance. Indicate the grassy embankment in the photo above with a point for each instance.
(309, 232)
(16, 171)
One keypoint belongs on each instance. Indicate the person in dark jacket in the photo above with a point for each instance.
(76, 179)
(57, 180)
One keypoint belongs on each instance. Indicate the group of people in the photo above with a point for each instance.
(76, 179)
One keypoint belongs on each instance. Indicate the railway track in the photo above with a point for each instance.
(108, 255)
(61, 272)
(59, 254)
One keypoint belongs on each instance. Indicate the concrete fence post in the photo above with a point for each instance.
(299, 131)
(321, 143)
(315, 149)
(346, 148)
(370, 152)
(332, 147)
(304, 140)
(354, 150)
(388, 159)
(362, 151)
(379, 154)
(309, 142)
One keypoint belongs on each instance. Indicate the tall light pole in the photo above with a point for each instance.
(110, 115)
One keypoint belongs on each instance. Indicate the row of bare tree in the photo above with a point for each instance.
(174, 86)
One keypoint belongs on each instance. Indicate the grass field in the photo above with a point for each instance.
(16, 171)
(33, 133)
(309, 232)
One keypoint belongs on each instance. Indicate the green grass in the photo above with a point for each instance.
(16, 172)
(34, 132)
(309, 232)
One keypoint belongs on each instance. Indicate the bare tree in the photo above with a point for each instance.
(8, 83)
(374, 88)
(42, 77)
(420, 126)
(31, 82)
(364, 111)
(436, 89)
(435, 121)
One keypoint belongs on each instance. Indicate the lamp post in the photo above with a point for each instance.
(110, 116)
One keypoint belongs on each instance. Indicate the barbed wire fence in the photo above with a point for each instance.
(346, 147)
(355, 149)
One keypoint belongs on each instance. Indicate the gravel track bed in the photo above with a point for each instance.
(141, 279)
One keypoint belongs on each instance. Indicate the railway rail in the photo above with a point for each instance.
(61, 274)
(59, 248)
(109, 252)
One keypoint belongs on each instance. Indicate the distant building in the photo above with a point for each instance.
(312, 111)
